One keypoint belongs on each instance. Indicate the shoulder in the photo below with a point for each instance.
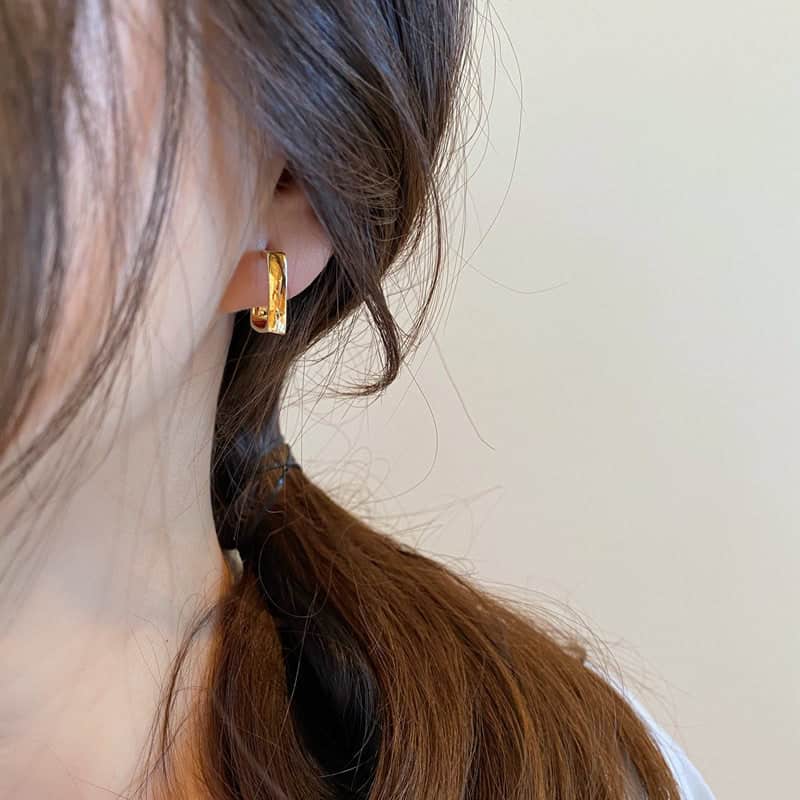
(690, 782)
(688, 778)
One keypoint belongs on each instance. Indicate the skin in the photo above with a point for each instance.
(119, 549)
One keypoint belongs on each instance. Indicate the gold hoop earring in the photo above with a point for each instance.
(271, 318)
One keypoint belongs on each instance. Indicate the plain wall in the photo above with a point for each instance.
(608, 412)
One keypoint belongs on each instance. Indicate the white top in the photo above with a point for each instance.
(690, 781)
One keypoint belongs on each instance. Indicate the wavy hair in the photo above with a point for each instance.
(345, 665)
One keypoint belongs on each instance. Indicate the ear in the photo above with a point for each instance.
(293, 228)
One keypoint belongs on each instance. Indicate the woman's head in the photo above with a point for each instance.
(150, 149)
(153, 147)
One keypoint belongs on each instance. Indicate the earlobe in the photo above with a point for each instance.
(293, 229)
(248, 286)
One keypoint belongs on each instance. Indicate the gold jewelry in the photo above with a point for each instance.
(271, 318)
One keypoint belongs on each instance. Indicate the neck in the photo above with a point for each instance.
(110, 576)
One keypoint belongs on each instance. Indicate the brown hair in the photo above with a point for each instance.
(345, 665)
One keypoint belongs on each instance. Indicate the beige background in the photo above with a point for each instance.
(608, 413)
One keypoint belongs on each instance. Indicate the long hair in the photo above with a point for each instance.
(344, 664)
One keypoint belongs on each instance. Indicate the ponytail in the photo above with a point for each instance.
(349, 666)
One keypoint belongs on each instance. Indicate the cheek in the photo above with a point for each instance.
(211, 221)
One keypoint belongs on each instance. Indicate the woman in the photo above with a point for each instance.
(194, 193)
